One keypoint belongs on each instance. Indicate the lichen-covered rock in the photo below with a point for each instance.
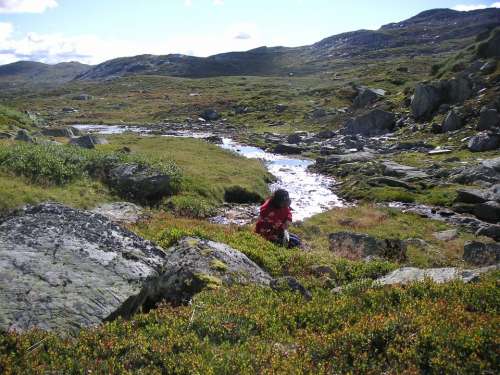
(195, 264)
(408, 275)
(482, 254)
(63, 269)
(359, 245)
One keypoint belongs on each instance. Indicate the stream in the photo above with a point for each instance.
(310, 192)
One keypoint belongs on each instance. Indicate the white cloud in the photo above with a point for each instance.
(218, 2)
(188, 3)
(26, 6)
(469, 7)
(91, 49)
(6, 29)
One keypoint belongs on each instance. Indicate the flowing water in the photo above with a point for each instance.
(310, 192)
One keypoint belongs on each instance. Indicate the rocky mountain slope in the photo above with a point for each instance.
(429, 32)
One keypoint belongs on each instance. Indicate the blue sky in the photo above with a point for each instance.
(92, 31)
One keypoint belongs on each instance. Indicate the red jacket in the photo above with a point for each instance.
(271, 223)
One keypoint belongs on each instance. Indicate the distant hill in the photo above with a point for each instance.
(22, 72)
(428, 33)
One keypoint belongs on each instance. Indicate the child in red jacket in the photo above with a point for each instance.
(275, 217)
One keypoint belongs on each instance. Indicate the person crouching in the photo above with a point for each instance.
(275, 217)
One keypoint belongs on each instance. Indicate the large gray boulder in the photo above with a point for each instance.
(488, 211)
(367, 97)
(487, 171)
(426, 100)
(195, 264)
(210, 115)
(408, 275)
(88, 141)
(58, 132)
(23, 136)
(482, 254)
(376, 122)
(139, 182)
(287, 149)
(359, 245)
(355, 157)
(458, 90)
(484, 142)
(393, 169)
(63, 269)
(452, 122)
(489, 119)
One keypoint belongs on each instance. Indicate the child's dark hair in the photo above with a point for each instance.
(279, 198)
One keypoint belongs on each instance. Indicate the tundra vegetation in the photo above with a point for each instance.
(350, 323)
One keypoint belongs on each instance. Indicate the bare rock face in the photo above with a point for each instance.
(63, 269)
(408, 275)
(358, 245)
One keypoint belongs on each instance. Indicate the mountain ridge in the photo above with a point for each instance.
(429, 32)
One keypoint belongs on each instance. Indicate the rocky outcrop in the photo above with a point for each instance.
(23, 136)
(366, 97)
(429, 96)
(88, 141)
(452, 122)
(487, 171)
(139, 182)
(376, 122)
(63, 269)
(359, 246)
(408, 275)
(393, 169)
(426, 100)
(484, 142)
(347, 158)
(195, 264)
(482, 254)
(287, 149)
(58, 132)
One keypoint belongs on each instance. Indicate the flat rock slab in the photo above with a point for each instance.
(121, 212)
(408, 275)
(63, 269)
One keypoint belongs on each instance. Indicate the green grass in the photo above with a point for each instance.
(208, 170)
(16, 191)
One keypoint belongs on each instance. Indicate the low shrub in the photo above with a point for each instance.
(61, 164)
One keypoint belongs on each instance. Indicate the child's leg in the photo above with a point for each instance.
(294, 241)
